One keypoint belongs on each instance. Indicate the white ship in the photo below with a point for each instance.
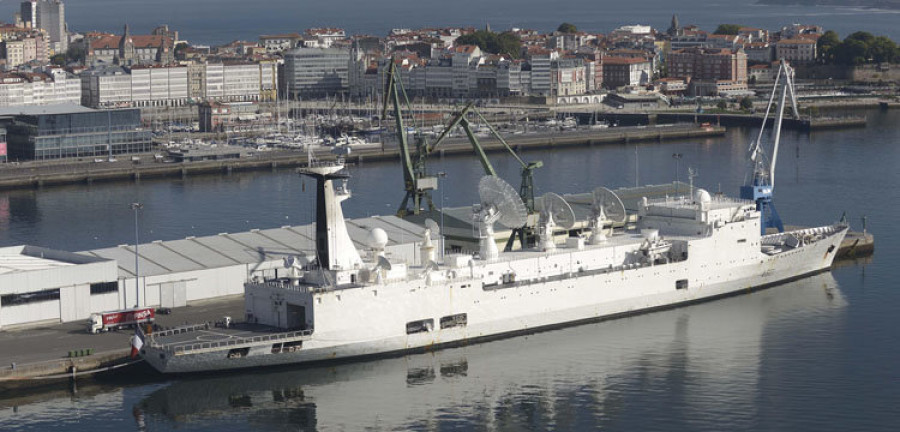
(344, 304)
(683, 249)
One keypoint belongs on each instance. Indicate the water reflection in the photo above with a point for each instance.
(690, 367)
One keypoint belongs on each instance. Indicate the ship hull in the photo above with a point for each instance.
(508, 311)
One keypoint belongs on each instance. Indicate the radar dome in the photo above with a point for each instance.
(377, 239)
(702, 196)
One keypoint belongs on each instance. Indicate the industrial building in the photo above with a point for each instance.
(71, 131)
(40, 286)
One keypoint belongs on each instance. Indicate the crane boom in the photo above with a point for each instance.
(761, 184)
(415, 181)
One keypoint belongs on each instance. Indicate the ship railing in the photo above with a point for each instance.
(174, 331)
(200, 346)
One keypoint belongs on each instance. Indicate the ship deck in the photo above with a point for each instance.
(207, 336)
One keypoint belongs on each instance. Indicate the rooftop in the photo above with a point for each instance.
(251, 247)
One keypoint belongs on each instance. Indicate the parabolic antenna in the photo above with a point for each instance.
(434, 227)
(607, 202)
(498, 196)
(554, 206)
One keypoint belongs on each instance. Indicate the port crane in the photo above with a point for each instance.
(760, 184)
(418, 183)
(526, 189)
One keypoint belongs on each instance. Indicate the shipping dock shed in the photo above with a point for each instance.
(41, 286)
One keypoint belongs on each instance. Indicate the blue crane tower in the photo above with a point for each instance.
(760, 184)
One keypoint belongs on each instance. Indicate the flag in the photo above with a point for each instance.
(137, 341)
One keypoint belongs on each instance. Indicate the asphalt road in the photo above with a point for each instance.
(54, 342)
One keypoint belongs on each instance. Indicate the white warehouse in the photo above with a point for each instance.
(41, 286)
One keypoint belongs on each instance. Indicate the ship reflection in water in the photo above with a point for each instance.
(699, 367)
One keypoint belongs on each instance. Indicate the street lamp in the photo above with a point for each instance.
(441, 176)
(677, 157)
(137, 274)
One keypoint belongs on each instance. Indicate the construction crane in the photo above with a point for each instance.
(760, 184)
(417, 183)
(526, 189)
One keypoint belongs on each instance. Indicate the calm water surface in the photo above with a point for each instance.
(222, 21)
(817, 354)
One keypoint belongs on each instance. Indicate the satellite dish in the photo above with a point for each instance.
(499, 203)
(555, 207)
(498, 196)
(434, 227)
(383, 263)
(607, 203)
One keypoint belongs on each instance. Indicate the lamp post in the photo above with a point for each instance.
(677, 157)
(137, 274)
(441, 176)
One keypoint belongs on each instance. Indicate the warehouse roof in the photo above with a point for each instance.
(251, 247)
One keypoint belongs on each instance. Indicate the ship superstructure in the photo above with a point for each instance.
(348, 303)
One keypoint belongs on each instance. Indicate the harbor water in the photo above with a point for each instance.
(812, 355)
(201, 23)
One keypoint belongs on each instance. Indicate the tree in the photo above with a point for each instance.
(882, 50)
(722, 105)
(825, 46)
(850, 52)
(727, 29)
(58, 60)
(505, 43)
(75, 53)
(746, 103)
(567, 28)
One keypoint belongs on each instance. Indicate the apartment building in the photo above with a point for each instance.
(316, 72)
(54, 86)
(708, 64)
(801, 50)
(626, 71)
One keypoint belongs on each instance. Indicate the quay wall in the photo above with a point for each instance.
(37, 175)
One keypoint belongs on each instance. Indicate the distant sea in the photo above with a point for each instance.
(221, 21)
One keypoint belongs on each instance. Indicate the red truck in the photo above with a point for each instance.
(107, 321)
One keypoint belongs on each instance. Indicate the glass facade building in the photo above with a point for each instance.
(77, 134)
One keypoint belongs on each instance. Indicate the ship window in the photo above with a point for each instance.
(742, 241)
(458, 320)
(419, 326)
(681, 284)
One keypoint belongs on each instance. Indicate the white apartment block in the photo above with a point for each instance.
(151, 86)
(796, 50)
(159, 86)
(14, 51)
(54, 87)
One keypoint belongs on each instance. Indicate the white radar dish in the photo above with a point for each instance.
(556, 207)
(609, 203)
(499, 196)
(434, 227)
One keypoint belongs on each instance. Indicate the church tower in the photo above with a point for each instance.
(126, 56)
